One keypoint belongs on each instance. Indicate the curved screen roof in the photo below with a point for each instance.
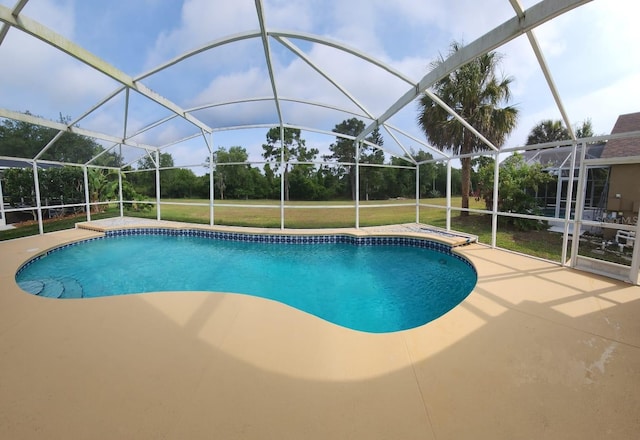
(187, 77)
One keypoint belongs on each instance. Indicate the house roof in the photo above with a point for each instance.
(624, 147)
(19, 163)
(560, 157)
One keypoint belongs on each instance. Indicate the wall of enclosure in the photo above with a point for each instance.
(581, 195)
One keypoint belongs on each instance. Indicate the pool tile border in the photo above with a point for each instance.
(287, 239)
(379, 240)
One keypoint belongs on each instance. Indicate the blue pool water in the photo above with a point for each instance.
(373, 288)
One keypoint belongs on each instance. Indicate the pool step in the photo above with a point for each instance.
(52, 288)
(66, 287)
(33, 287)
(72, 288)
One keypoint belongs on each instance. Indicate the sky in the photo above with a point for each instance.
(589, 51)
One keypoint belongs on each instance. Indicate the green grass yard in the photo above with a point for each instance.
(340, 214)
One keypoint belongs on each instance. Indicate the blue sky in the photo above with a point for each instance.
(589, 51)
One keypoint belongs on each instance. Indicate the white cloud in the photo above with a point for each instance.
(621, 97)
(46, 82)
(414, 67)
(289, 14)
(462, 20)
(58, 15)
(202, 21)
(232, 86)
(105, 122)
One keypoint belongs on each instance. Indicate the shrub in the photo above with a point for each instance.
(517, 187)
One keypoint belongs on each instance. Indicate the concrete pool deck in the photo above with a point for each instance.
(535, 351)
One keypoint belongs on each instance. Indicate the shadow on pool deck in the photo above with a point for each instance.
(536, 351)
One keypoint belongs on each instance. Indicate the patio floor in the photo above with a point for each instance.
(536, 351)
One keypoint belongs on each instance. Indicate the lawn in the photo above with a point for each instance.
(340, 214)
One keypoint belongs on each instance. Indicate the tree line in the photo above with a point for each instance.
(22, 139)
(303, 179)
(233, 177)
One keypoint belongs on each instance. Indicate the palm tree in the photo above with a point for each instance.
(103, 185)
(548, 130)
(551, 130)
(474, 92)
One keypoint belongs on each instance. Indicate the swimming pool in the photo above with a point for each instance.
(372, 284)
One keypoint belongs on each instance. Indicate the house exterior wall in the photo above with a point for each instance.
(625, 181)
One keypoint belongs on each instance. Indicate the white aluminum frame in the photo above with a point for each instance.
(523, 22)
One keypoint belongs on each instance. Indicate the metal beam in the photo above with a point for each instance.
(59, 42)
(49, 144)
(460, 119)
(419, 141)
(545, 69)
(15, 12)
(300, 54)
(102, 153)
(98, 105)
(126, 114)
(267, 56)
(17, 9)
(342, 47)
(397, 141)
(293, 48)
(507, 31)
(211, 45)
(17, 116)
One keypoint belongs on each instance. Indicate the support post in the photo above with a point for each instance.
(120, 195)
(36, 182)
(494, 204)
(634, 270)
(282, 177)
(558, 193)
(417, 193)
(158, 215)
(357, 182)
(3, 218)
(567, 207)
(448, 220)
(212, 168)
(87, 198)
(577, 220)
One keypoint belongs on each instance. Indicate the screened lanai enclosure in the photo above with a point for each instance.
(275, 110)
